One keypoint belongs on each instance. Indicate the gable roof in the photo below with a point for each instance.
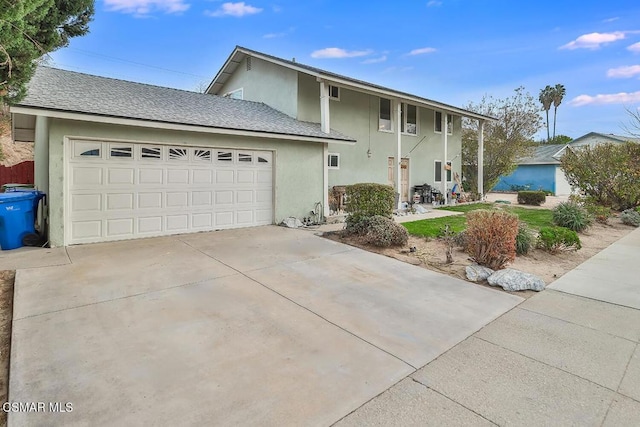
(611, 137)
(239, 53)
(544, 154)
(59, 90)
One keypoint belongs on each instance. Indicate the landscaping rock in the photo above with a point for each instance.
(515, 280)
(478, 273)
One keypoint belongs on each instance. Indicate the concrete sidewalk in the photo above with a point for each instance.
(557, 359)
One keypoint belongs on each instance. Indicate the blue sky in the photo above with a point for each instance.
(453, 51)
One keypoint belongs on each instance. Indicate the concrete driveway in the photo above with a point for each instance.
(267, 326)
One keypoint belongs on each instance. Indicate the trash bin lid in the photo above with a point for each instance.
(15, 197)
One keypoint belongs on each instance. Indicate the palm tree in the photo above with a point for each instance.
(557, 94)
(546, 98)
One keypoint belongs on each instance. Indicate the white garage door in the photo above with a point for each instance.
(122, 190)
(562, 185)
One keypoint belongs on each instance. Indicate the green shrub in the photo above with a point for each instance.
(600, 213)
(524, 239)
(491, 237)
(572, 216)
(607, 173)
(382, 231)
(630, 217)
(556, 239)
(535, 198)
(367, 200)
(460, 239)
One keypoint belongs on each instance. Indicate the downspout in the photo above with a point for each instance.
(445, 141)
(398, 154)
(325, 126)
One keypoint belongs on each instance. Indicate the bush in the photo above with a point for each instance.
(600, 213)
(491, 237)
(535, 198)
(382, 231)
(368, 200)
(556, 239)
(572, 216)
(630, 217)
(460, 239)
(607, 173)
(524, 239)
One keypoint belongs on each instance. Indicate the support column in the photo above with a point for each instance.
(399, 153)
(445, 154)
(481, 159)
(41, 164)
(325, 179)
(325, 124)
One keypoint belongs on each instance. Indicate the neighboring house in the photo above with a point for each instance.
(122, 160)
(543, 171)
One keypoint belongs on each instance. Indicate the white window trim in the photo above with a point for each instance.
(390, 115)
(337, 156)
(436, 121)
(230, 94)
(404, 118)
(445, 171)
(334, 98)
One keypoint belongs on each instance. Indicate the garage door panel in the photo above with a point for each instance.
(151, 190)
(120, 227)
(150, 176)
(120, 201)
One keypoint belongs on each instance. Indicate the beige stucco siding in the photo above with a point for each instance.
(265, 82)
(298, 166)
(356, 115)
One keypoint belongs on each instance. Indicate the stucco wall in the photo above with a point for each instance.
(534, 177)
(356, 115)
(265, 82)
(298, 166)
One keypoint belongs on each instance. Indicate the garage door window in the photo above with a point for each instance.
(204, 155)
(121, 152)
(225, 156)
(245, 158)
(151, 153)
(178, 154)
(87, 149)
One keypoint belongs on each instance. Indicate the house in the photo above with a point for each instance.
(121, 160)
(543, 171)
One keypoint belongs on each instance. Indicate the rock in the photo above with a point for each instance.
(478, 273)
(419, 209)
(515, 280)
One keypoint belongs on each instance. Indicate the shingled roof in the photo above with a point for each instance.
(68, 91)
(543, 154)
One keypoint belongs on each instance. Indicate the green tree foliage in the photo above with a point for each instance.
(608, 174)
(505, 141)
(546, 99)
(558, 94)
(30, 29)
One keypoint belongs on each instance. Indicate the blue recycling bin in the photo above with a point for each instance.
(17, 217)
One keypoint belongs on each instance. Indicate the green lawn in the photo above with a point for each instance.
(535, 218)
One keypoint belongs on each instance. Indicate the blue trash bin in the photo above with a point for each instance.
(17, 217)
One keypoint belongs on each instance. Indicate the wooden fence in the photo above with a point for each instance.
(22, 173)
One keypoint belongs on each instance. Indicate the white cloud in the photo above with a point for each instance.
(238, 10)
(434, 3)
(593, 40)
(422, 51)
(603, 99)
(375, 60)
(615, 18)
(336, 52)
(624, 72)
(634, 47)
(144, 7)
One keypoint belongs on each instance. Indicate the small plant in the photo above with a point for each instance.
(630, 217)
(524, 239)
(600, 213)
(384, 232)
(572, 216)
(460, 239)
(449, 237)
(557, 239)
(535, 198)
(491, 237)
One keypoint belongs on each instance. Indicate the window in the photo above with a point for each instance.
(245, 157)
(225, 156)
(409, 119)
(333, 161)
(384, 122)
(151, 152)
(236, 94)
(437, 125)
(91, 153)
(178, 154)
(204, 155)
(262, 160)
(126, 152)
(438, 171)
(334, 93)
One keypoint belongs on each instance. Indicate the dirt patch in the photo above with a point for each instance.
(13, 152)
(6, 315)
(430, 253)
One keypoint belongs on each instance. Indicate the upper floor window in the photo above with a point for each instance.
(438, 123)
(409, 119)
(334, 93)
(384, 122)
(236, 94)
(333, 160)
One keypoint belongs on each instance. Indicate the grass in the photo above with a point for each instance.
(534, 218)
